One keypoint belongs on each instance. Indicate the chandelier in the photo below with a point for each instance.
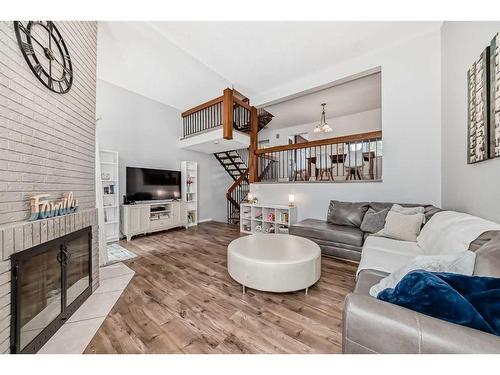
(323, 127)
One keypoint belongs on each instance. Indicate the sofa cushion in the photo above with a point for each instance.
(483, 239)
(374, 221)
(488, 258)
(429, 210)
(346, 213)
(322, 230)
(387, 255)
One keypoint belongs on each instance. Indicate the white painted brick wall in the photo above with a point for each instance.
(47, 145)
(46, 139)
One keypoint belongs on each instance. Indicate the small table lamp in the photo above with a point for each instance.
(291, 200)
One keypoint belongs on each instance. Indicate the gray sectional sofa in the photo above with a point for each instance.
(374, 326)
(341, 234)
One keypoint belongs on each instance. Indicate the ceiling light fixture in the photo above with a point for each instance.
(323, 127)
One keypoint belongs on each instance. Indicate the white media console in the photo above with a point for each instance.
(143, 218)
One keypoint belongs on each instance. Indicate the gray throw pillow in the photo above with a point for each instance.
(349, 214)
(374, 221)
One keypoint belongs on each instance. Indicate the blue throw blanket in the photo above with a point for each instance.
(472, 301)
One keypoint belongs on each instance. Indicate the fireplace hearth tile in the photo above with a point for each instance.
(115, 270)
(75, 335)
(114, 284)
(96, 306)
(72, 338)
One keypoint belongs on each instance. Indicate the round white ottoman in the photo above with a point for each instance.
(274, 262)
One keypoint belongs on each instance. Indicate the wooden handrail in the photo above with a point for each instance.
(202, 106)
(322, 142)
(241, 103)
(215, 101)
(238, 181)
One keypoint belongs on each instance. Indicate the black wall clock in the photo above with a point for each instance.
(45, 52)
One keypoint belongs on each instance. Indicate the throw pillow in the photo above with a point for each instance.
(408, 210)
(374, 221)
(462, 263)
(401, 227)
(346, 213)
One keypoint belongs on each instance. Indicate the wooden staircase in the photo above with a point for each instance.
(232, 162)
(236, 167)
(232, 111)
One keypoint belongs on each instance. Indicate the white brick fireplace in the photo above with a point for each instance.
(47, 146)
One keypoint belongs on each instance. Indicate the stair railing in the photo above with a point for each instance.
(236, 193)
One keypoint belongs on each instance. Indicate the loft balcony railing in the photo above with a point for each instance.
(227, 111)
(352, 158)
(203, 117)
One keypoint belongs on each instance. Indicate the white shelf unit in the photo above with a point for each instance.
(266, 218)
(189, 172)
(109, 179)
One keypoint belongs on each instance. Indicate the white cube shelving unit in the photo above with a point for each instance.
(189, 171)
(110, 197)
(266, 218)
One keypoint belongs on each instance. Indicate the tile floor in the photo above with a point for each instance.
(74, 336)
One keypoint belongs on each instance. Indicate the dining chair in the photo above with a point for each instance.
(298, 170)
(354, 162)
(324, 166)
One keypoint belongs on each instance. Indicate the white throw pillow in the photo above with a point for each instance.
(462, 263)
(401, 227)
(408, 210)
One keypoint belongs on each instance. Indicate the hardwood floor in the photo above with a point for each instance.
(182, 300)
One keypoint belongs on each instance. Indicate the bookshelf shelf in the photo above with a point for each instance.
(266, 218)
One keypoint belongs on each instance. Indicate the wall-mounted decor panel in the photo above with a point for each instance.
(495, 97)
(478, 109)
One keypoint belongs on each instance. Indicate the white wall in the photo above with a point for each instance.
(471, 188)
(411, 125)
(146, 134)
(355, 123)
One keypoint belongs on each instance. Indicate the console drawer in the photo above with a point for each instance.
(159, 224)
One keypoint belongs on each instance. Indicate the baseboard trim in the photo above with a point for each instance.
(205, 220)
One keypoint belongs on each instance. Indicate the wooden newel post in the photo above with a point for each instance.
(227, 116)
(252, 156)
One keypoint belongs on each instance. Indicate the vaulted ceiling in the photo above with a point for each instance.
(183, 64)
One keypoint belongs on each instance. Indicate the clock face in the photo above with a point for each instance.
(46, 54)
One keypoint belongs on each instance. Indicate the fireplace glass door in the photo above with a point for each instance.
(49, 283)
(77, 268)
(40, 293)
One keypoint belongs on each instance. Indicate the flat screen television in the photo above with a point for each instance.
(145, 184)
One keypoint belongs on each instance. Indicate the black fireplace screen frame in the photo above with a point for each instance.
(66, 311)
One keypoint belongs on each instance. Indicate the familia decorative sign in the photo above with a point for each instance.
(42, 208)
